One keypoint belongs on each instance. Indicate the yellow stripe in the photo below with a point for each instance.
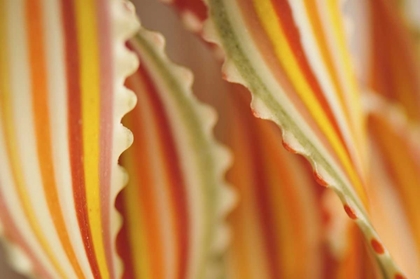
(285, 55)
(355, 109)
(87, 31)
(6, 117)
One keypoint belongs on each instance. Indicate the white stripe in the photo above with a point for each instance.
(190, 172)
(25, 130)
(273, 85)
(123, 25)
(160, 191)
(348, 86)
(320, 71)
(13, 205)
(58, 109)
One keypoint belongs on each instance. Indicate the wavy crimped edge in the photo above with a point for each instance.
(222, 156)
(125, 25)
(231, 74)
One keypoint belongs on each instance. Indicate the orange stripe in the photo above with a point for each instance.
(6, 110)
(292, 34)
(394, 65)
(265, 48)
(259, 186)
(318, 30)
(334, 139)
(279, 201)
(288, 25)
(173, 176)
(42, 123)
(402, 166)
(244, 217)
(151, 216)
(286, 204)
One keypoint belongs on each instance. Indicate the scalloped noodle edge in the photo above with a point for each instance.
(125, 24)
(231, 74)
(220, 154)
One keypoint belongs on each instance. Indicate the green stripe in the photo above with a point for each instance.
(233, 47)
(200, 143)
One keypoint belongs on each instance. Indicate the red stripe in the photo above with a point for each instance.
(123, 239)
(261, 193)
(265, 48)
(75, 130)
(106, 126)
(173, 170)
(285, 16)
(171, 167)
